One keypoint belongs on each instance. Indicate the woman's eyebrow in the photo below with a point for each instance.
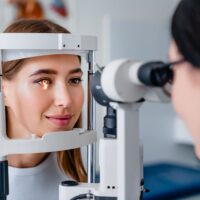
(51, 71)
(77, 70)
(44, 71)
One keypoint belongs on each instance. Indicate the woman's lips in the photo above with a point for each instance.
(60, 120)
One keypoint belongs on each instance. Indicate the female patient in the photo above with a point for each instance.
(42, 94)
(186, 84)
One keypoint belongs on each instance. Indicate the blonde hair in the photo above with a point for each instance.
(70, 161)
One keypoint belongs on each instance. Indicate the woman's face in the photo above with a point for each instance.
(45, 95)
(186, 94)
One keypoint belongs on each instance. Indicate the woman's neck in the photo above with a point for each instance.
(26, 160)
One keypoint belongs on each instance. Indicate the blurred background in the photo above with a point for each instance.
(136, 29)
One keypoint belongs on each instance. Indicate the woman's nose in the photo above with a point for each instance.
(63, 97)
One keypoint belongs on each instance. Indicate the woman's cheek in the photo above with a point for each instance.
(78, 97)
(82, 98)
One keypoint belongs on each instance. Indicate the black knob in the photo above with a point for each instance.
(69, 183)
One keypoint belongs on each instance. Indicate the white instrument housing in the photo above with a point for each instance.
(120, 83)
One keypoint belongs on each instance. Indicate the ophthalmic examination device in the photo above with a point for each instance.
(122, 86)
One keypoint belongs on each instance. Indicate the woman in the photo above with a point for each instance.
(185, 46)
(42, 94)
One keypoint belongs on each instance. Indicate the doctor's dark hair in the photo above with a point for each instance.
(185, 29)
(70, 161)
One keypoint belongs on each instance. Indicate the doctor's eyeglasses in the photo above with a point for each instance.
(169, 66)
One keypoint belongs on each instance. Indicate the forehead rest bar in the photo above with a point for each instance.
(23, 45)
(9, 55)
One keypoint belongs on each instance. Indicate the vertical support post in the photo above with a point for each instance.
(4, 185)
(2, 107)
(129, 160)
(4, 180)
(91, 149)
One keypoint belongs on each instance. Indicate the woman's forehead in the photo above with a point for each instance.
(58, 63)
(54, 58)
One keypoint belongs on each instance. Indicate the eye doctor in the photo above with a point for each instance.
(185, 46)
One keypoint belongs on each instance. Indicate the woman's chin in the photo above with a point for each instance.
(53, 130)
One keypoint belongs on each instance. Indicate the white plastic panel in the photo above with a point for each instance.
(47, 41)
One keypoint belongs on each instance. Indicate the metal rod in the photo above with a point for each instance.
(91, 149)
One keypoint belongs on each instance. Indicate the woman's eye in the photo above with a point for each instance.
(44, 83)
(75, 81)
